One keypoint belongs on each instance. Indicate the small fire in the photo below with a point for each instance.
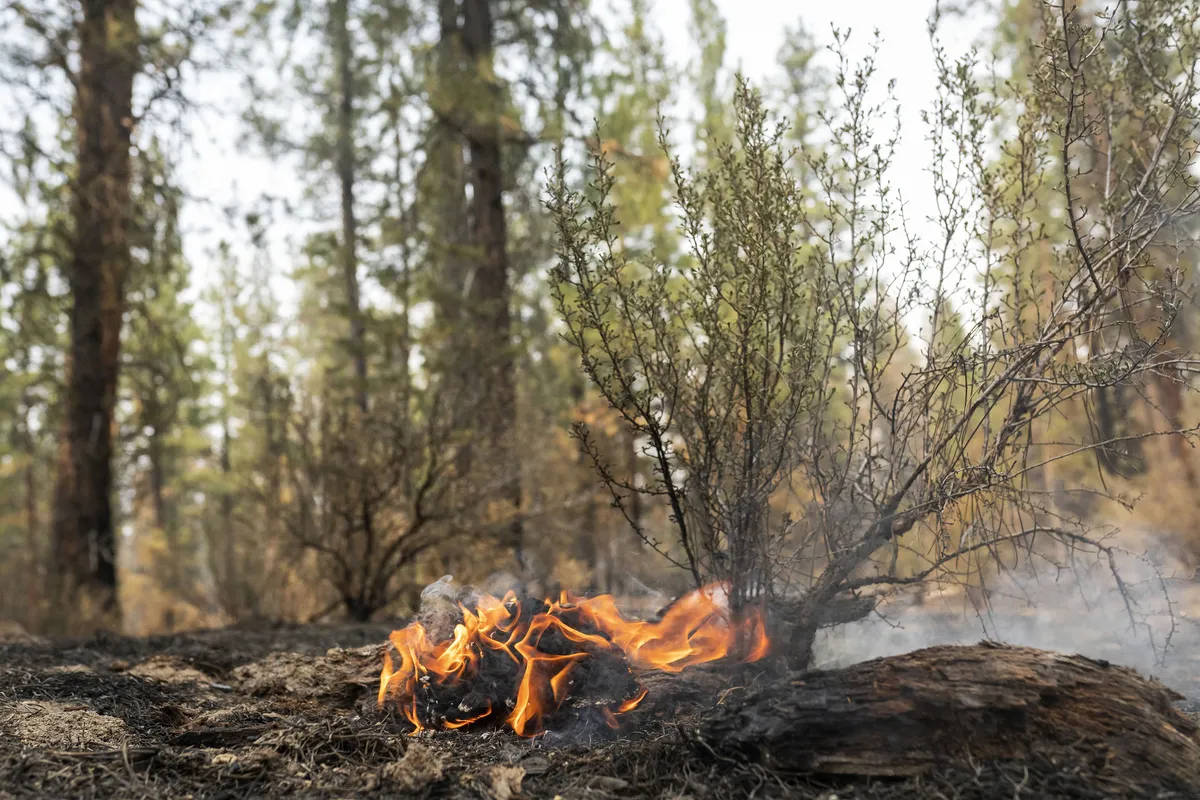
(501, 662)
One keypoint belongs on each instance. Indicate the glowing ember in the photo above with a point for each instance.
(530, 665)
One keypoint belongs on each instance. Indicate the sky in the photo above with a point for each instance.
(220, 168)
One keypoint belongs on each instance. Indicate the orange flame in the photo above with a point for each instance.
(694, 630)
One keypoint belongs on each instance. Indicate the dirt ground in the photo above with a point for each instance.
(290, 712)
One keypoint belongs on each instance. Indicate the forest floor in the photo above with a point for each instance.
(290, 712)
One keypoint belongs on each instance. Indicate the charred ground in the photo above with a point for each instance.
(290, 712)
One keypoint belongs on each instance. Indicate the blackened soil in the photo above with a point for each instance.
(290, 712)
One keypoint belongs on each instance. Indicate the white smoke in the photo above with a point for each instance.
(1147, 621)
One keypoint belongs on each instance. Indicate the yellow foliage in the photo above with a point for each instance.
(660, 168)
(510, 125)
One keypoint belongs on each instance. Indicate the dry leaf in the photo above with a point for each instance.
(506, 782)
(419, 768)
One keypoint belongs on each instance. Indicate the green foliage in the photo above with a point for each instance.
(710, 361)
(32, 338)
(780, 354)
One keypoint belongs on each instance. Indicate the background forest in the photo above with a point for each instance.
(372, 377)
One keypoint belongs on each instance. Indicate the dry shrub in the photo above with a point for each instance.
(902, 392)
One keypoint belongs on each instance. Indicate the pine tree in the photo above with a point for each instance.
(85, 539)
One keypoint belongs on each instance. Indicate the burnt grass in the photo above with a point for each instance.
(290, 712)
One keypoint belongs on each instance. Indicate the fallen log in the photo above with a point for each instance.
(952, 705)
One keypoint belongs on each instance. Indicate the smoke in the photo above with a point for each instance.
(1143, 619)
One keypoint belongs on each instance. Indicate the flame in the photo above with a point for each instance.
(462, 723)
(632, 703)
(696, 629)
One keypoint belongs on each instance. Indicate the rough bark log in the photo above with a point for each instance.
(903, 715)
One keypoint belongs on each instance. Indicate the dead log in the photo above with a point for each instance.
(955, 706)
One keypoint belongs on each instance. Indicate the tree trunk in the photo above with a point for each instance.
(448, 182)
(230, 574)
(34, 572)
(344, 55)
(904, 715)
(158, 485)
(275, 416)
(448, 174)
(401, 358)
(489, 295)
(33, 529)
(84, 535)
(339, 14)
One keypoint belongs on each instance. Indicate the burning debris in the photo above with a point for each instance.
(535, 665)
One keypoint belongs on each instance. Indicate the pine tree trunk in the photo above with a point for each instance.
(84, 535)
(344, 56)
(229, 572)
(33, 531)
(34, 580)
(448, 190)
(490, 292)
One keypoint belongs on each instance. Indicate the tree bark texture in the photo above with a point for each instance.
(344, 56)
(446, 188)
(449, 165)
(339, 17)
(84, 535)
(490, 294)
(904, 715)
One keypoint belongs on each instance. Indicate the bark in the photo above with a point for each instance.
(275, 437)
(489, 295)
(29, 445)
(344, 56)
(400, 360)
(446, 156)
(158, 486)
(230, 577)
(904, 715)
(222, 552)
(448, 189)
(33, 532)
(84, 536)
